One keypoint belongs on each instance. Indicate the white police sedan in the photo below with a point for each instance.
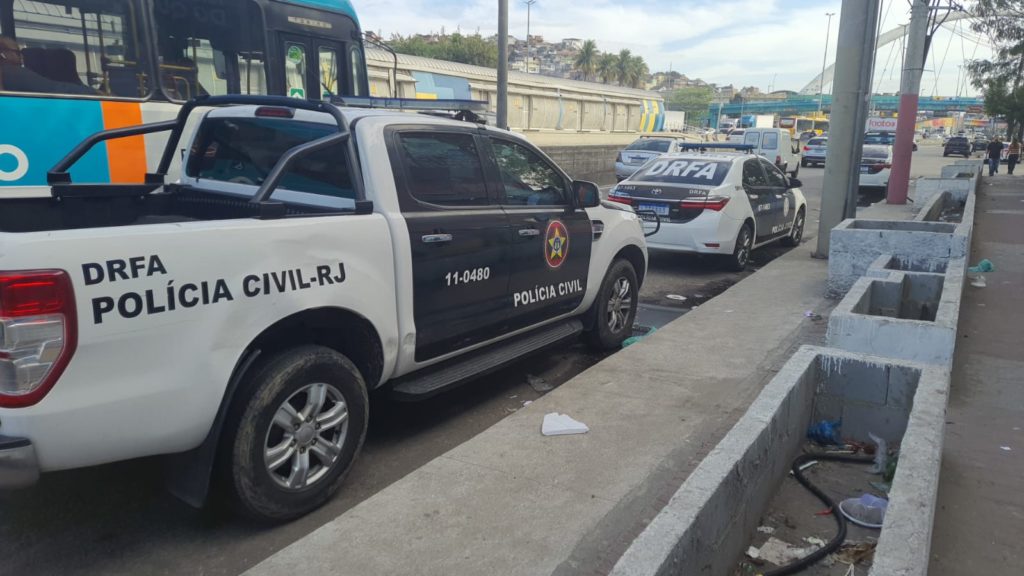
(716, 202)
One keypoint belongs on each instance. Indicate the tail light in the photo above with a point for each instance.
(620, 200)
(274, 112)
(778, 160)
(878, 167)
(807, 148)
(38, 333)
(715, 203)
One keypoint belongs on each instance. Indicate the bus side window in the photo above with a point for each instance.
(87, 48)
(357, 70)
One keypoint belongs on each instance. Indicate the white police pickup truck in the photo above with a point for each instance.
(237, 319)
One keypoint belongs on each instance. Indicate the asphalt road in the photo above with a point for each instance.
(118, 519)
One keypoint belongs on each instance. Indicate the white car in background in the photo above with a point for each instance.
(640, 151)
(715, 202)
(736, 135)
(875, 166)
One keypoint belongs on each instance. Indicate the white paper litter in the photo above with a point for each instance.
(781, 553)
(556, 424)
(679, 297)
(766, 529)
(753, 552)
(1005, 448)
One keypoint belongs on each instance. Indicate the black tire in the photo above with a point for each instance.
(795, 172)
(603, 335)
(796, 234)
(803, 163)
(944, 154)
(251, 426)
(741, 253)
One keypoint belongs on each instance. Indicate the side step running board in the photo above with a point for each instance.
(458, 370)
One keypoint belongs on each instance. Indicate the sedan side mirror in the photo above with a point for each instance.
(587, 194)
(795, 183)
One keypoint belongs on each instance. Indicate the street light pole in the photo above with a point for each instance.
(529, 4)
(824, 60)
(502, 118)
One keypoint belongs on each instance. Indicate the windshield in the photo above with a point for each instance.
(244, 150)
(691, 171)
(651, 144)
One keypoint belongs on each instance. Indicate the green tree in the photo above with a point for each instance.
(586, 60)
(1000, 78)
(608, 68)
(636, 72)
(467, 49)
(694, 100)
(624, 67)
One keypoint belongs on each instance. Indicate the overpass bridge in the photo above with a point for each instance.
(806, 104)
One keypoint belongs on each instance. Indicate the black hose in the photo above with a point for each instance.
(840, 537)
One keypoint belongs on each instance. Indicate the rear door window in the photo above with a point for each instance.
(683, 171)
(770, 141)
(245, 150)
(751, 138)
(443, 168)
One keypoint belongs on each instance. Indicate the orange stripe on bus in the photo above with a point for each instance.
(126, 157)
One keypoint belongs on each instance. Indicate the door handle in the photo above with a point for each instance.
(436, 238)
(529, 232)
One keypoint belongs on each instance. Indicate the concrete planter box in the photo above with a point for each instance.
(855, 244)
(886, 264)
(706, 525)
(940, 204)
(907, 316)
(926, 188)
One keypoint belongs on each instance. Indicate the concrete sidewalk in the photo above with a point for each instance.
(980, 519)
(510, 501)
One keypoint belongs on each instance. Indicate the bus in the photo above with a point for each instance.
(69, 68)
(797, 125)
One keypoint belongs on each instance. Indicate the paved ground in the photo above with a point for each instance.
(980, 519)
(118, 520)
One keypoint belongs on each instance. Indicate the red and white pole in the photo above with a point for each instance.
(910, 88)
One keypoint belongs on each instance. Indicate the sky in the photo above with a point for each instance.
(777, 44)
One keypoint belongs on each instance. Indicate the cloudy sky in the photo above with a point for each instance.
(766, 43)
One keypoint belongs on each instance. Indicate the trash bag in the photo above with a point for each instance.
(985, 265)
(825, 432)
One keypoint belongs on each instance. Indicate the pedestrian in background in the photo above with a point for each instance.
(994, 149)
(1012, 155)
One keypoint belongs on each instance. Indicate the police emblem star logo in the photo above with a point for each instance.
(556, 244)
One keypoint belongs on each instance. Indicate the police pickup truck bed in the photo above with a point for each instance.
(236, 319)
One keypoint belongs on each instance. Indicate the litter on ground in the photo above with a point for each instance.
(678, 297)
(538, 384)
(766, 530)
(556, 424)
(780, 553)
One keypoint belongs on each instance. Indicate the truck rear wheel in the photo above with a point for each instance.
(615, 308)
(293, 436)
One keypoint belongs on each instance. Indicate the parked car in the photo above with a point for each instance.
(979, 144)
(957, 145)
(239, 319)
(885, 138)
(736, 135)
(814, 152)
(777, 145)
(875, 166)
(722, 203)
(640, 151)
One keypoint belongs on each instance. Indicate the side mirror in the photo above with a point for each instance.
(587, 194)
(795, 183)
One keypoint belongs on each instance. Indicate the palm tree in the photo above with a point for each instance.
(624, 64)
(608, 68)
(638, 71)
(586, 60)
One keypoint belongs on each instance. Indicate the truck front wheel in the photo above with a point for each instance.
(294, 433)
(615, 308)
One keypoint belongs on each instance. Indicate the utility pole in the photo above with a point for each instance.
(865, 92)
(910, 88)
(529, 4)
(503, 64)
(824, 60)
(851, 90)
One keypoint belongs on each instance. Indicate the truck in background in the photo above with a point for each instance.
(757, 121)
